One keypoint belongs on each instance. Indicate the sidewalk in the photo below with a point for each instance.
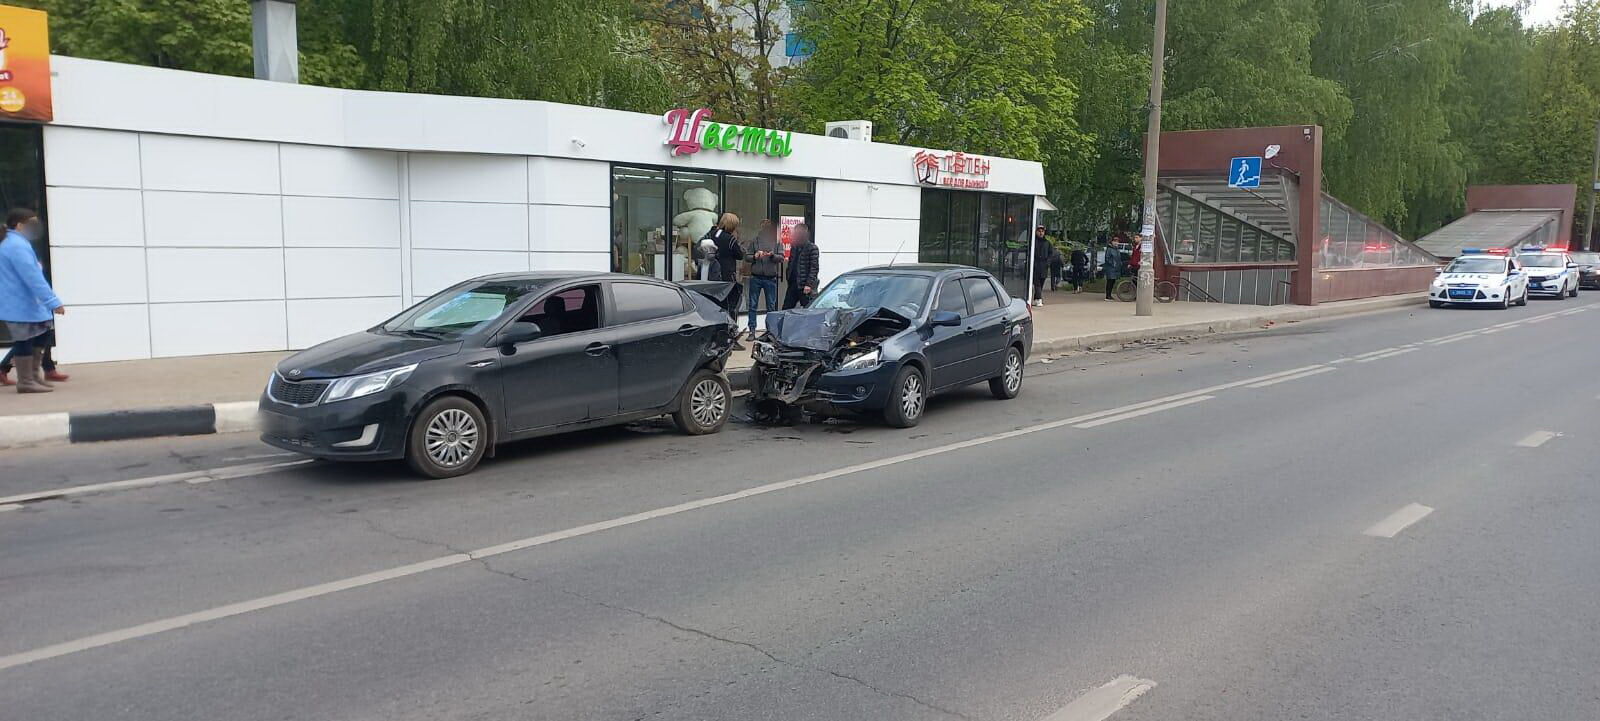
(210, 394)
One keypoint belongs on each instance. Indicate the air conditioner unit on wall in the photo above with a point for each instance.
(851, 129)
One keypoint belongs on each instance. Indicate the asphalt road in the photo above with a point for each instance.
(1391, 516)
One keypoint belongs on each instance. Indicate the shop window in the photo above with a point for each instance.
(791, 185)
(696, 205)
(746, 197)
(964, 209)
(638, 221)
(933, 236)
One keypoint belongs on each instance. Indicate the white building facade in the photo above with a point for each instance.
(195, 214)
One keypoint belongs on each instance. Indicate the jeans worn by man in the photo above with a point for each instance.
(766, 265)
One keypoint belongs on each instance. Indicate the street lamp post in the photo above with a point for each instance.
(1145, 298)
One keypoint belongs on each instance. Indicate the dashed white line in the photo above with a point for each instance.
(1098, 704)
(205, 476)
(1537, 438)
(1454, 338)
(1337, 361)
(1398, 521)
(1390, 354)
(1143, 412)
(1378, 352)
(1295, 377)
(9, 507)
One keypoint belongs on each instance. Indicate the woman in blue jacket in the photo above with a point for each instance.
(26, 301)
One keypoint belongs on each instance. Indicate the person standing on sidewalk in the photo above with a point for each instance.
(1041, 264)
(1080, 269)
(728, 251)
(766, 265)
(804, 262)
(26, 300)
(1112, 267)
(45, 345)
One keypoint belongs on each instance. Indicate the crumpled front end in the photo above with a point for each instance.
(807, 355)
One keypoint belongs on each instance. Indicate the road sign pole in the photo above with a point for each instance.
(1594, 191)
(1146, 292)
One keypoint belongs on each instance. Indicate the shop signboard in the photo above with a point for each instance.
(692, 131)
(24, 64)
(951, 170)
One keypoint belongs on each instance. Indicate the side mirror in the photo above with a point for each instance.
(1438, 270)
(518, 332)
(1572, 265)
(944, 318)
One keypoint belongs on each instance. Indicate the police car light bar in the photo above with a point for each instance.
(1533, 249)
(1500, 251)
(1471, 251)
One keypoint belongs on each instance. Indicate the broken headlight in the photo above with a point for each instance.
(867, 359)
(763, 353)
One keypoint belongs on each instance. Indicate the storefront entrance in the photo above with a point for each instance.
(987, 230)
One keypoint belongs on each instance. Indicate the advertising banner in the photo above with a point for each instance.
(24, 65)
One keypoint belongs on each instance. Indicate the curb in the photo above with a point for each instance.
(237, 416)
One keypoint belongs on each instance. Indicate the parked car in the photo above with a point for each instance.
(884, 339)
(506, 357)
(1550, 270)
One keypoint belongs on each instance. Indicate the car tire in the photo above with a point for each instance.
(704, 404)
(1505, 303)
(1435, 304)
(1574, 292)
(1524, 300)
(447, 439)
(908, 398)
(1008, 384)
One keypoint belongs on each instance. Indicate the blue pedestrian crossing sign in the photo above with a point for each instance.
(1245, 172)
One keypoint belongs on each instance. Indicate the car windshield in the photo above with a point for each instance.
(460, 310)
(903, 294)
(1542, 260)
(1477, 265)
(1586, 258)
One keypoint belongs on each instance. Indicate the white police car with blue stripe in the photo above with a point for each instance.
(1479, 278)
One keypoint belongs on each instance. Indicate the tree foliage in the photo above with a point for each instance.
(719, 52)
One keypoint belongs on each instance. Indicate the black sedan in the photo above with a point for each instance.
(1588, 269)
(885, 339)
(506, 357)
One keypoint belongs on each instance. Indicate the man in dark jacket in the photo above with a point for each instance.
(1041, 264)
(804, 259)
(766, 263)
(1080, 269)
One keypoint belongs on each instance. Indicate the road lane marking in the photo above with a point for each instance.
(9, 507)
(1456, 338)
(205, 476)
(1375, 353)
(1536, 439)
(1143, 412)
(1099, 704)
(1398, 521)
(1337, 361)
(1295, 377)
(322, 589)
(1391, 354)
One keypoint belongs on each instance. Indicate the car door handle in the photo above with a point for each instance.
(687, 329)
(480, 364)
(970, 331)
(597, 349)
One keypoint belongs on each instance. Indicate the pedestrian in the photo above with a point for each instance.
(1055, 268)
(1080, 269)
(728, 251)
(766, 264)
(1112, 267)
(26, 301)
(47, 362)
(1041, 264)
(803, 268)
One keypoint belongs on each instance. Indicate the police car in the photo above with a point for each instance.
(1478, 278)
(1550, 271)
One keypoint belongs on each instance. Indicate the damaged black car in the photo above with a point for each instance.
(882, 340)
(506, 357)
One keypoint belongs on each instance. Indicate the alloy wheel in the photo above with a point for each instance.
(708, 402)
(1013, 372)
(452, 437)
(911, 397)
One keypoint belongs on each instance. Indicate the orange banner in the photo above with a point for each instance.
(24, 64)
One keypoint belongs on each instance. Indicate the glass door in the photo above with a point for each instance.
(788, 211)
(22, 183)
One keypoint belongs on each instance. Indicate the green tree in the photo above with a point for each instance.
(209, 36)
(979, 75)
(719, 52)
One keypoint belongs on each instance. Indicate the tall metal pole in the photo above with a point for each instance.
(1594, 190)
(1145, 298)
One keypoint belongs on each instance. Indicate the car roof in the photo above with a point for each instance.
(928, 269)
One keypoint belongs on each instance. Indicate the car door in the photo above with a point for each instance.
(986, 323)
(950, 349)
(569, 373)
(659, 342)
